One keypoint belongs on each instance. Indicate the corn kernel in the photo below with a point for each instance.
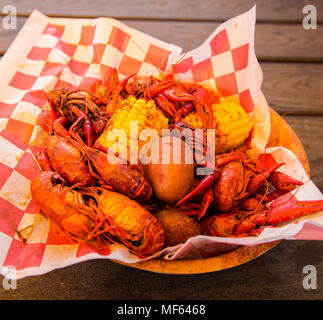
(230, 121)
(132, 109)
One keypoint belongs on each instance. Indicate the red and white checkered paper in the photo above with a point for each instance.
(81, 53)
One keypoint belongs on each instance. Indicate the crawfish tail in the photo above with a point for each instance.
(203, 107)
(229, 185)
(55, 97)
(131, 223)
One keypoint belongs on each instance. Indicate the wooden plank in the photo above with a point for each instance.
(273, 42)
(289, 87)
(289, 42)
(309, 131)
(278, 42)
(294, 87)
(287, 10)
(275, 275)
(305, 131)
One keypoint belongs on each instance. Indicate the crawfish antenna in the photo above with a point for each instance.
(186, 52)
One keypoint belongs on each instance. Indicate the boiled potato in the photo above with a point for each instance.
(170, 175)
(178, 227)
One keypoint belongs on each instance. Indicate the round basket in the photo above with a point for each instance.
(283, 135)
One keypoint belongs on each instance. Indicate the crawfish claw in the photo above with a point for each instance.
(204, 185)
(283, 182)
(284, 209)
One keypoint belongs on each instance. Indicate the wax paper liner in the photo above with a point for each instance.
(81, 53)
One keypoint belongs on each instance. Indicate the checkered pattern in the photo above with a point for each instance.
(82, 53)
(71, 54)
(226, 65)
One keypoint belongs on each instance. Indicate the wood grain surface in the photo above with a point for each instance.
(291, 59)
(309, 130)
(294, 88)
(203, 10)
(270, 38)
(276, 275)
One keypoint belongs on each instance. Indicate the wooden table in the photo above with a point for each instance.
(292, 62)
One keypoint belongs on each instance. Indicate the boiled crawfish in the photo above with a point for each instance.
(79, 164)
(116, 172)
(176, 99)
(240, 193)
(67, 160)
(79, 105)
(235, 182)
(226, 169)
(123, 177)
(63, 205)
(96, 215)
(135, 227)
(238, 222)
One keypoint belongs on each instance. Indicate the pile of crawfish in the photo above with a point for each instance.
(100, 203)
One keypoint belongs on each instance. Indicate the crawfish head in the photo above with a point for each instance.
(79, 103)
(55, 96)
(68, 161)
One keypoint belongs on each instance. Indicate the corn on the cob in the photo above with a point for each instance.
(145, 113)
(230, 121)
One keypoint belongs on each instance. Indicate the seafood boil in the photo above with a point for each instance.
(102, 190)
